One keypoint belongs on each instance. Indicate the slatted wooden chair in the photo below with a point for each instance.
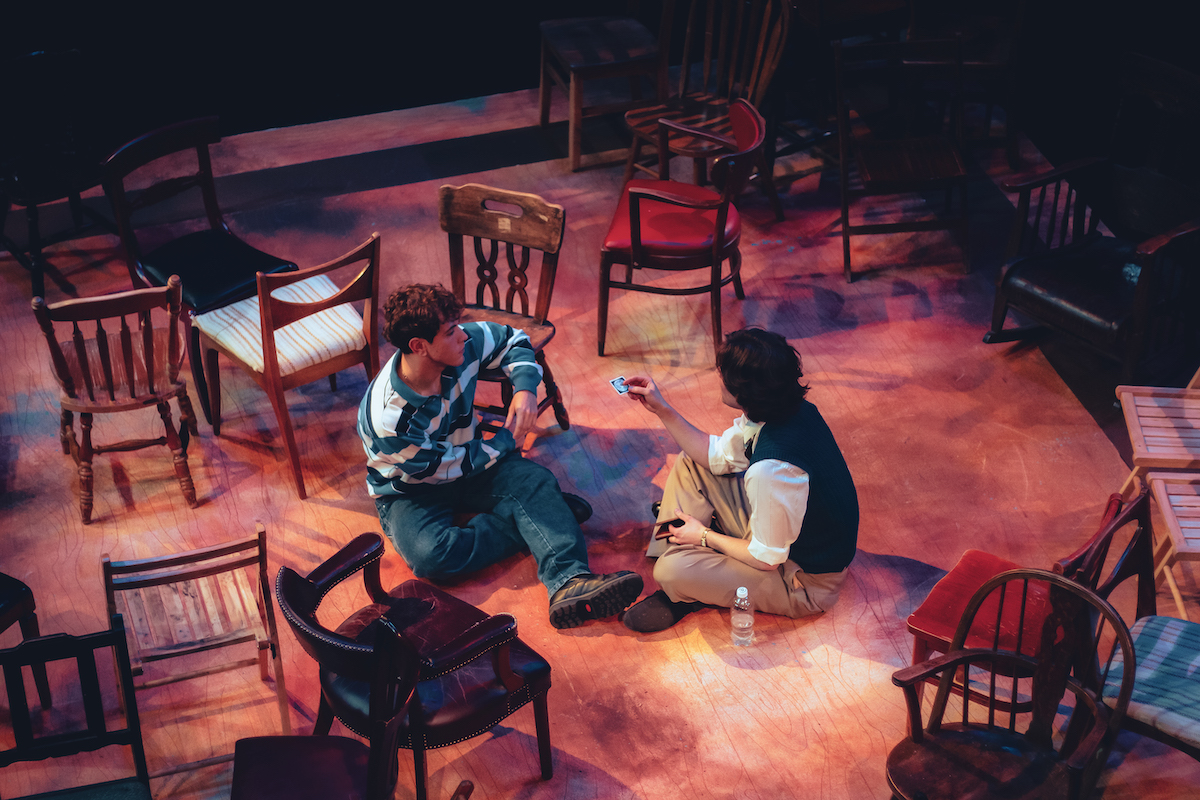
(731, 49)
(76, 729)
(301, 326)
(515, 223)
(194, 602)
(17, 607)
(129, 369)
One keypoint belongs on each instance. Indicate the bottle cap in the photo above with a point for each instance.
(741, 592)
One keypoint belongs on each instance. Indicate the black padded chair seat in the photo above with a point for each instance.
(16, 601)
(457, 702)
(1081, 289)
(300, 767)
(216, 268)
(598, 41)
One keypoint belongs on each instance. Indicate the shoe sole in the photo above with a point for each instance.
(605, 601)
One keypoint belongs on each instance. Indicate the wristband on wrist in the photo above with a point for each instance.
(704, 537)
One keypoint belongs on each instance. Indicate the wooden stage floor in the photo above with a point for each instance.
(953, 444)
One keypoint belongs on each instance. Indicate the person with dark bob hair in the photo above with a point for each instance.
(769, 504)
(428, 464)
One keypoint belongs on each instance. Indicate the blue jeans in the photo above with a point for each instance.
(518, 504)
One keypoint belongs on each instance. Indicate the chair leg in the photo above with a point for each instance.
(66, 432)
(420, 770)
(715, 303)
(575, 122)
(333, 382)
(85, 468)
(541, 720)
(965, 229)
(553, 393)
(187, 419)
(324, 718)
(735, 268)
(920, 653)
(766, 178)
(285, 717)
(635, 152)
(279, 403)
(195, 358)
(1132, 482)
(29, 630)
(846, 236)
(543, 92)
(602, 304)
(212, 366)
(176, 447)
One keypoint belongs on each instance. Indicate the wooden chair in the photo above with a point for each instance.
(194, 602)
(735, 46)
(217, 267)
(1164, 428)
(129, 369)
(897, 155)
(1006, 754)
(53, 154)
(17, 607)
(87, 728)
(474, 670)
(299, 328)
(1107, 254)
(673, 226)
(933, 623)
(515, 223)
(580, 50)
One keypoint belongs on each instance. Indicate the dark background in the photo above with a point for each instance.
(264, 65)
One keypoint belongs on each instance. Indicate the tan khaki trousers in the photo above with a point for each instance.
(689, 573)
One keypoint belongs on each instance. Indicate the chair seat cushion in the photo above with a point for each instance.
(315, 339)
(1085, 289)
(299, 767)
(936, 619)
(971, 763)
(670, 230)
(124, 789)
(1166, 691)
(598, 41)
(124, 395)
(217, 268)
(458, 705)
(16, 601)
(539, 335)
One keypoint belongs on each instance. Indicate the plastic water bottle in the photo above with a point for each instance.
(742, 618)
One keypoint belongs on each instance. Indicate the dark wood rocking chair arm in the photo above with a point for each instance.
(1150, 247)
(1028, 181)
(661, 195)
(362, 553)
(699, 133)
(1083, 752)
(482, 637)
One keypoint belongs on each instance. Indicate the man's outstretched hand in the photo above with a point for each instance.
(522, 415)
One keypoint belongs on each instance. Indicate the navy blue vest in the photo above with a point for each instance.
(829, 536)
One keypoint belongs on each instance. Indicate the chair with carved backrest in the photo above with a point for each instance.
(216, 266)
(1105, 249)
(474, 671)
(731, 49)
(131, 368)
(300, 327)
(515, 224)
(997, 753)
(673, 226)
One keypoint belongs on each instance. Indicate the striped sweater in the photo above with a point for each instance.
(412, 440)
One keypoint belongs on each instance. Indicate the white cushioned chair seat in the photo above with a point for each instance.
(312, 340)
(1166, 692)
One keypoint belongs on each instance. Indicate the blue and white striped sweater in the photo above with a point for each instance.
(412, 440)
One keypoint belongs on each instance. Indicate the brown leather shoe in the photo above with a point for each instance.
(585, 597)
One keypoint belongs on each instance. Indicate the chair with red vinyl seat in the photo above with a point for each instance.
(673, 226)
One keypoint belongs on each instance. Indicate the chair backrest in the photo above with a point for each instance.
(731, 172)
(94, 733)
(127, 363)
(734, 46)
(276, 312)
(195, 134)
(1086, 565)
(1078, 641)
(519, 222)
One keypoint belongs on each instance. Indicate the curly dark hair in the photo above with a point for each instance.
(762, 372)
(418, 310)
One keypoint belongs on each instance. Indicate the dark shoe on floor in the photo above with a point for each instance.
(588, 596)
(581, 508)
(657, 613)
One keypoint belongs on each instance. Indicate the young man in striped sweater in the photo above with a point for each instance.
(427, 461)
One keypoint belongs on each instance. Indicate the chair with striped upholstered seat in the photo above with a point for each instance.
(299, 328)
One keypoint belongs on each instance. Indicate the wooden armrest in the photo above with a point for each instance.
(1152, 245)
(1027, 181)
(364, 550)
(672, 198)
(488, 634)
(699, 133)
(910, 676)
